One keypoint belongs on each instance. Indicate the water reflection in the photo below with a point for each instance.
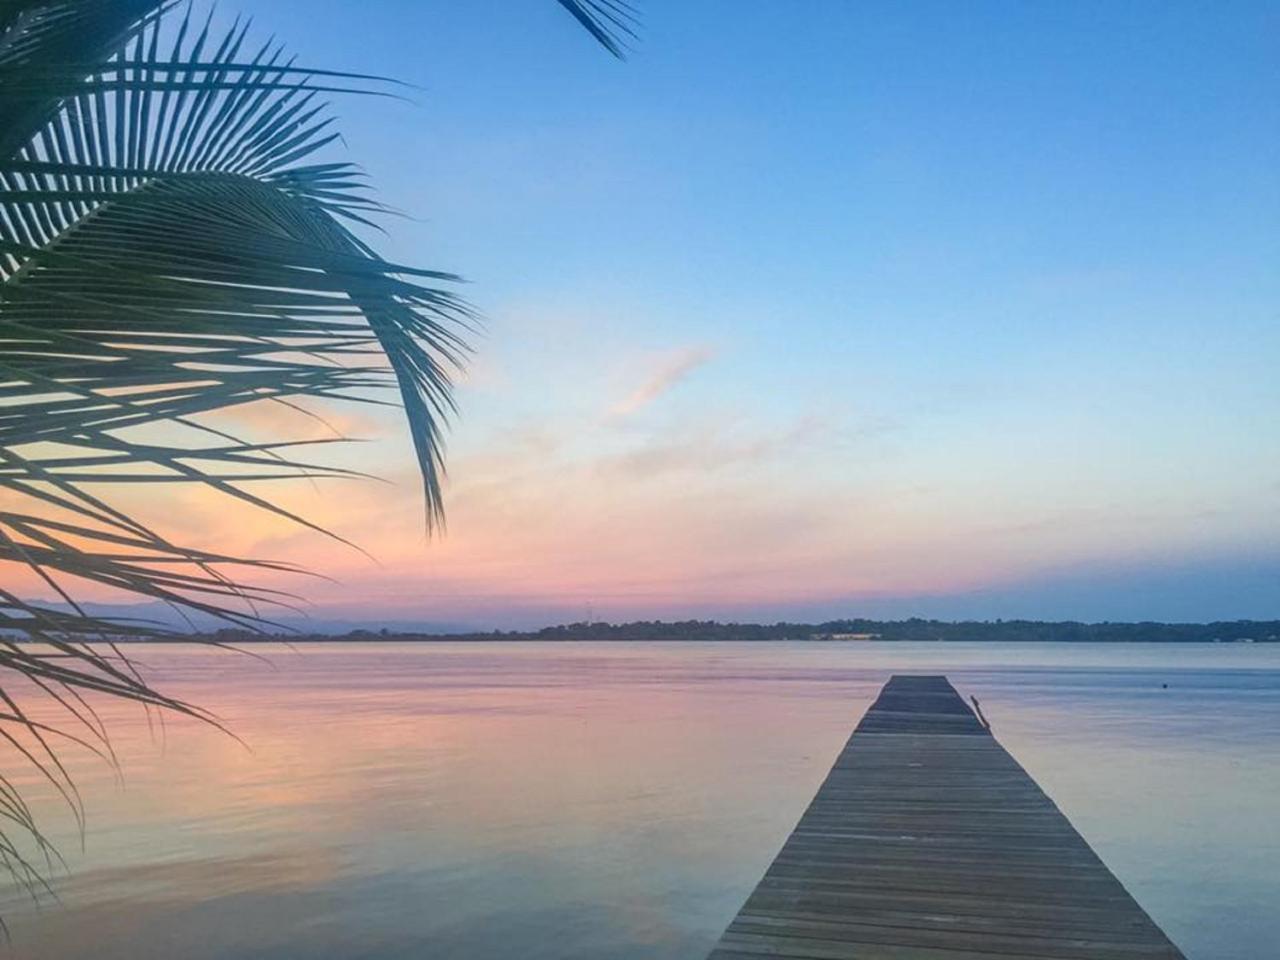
(619, 801)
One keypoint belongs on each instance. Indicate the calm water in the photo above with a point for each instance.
(617, 800)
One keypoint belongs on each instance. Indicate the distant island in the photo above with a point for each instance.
(833, 631)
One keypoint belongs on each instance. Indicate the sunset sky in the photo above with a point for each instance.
(806, 310)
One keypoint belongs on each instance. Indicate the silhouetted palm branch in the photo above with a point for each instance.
(611, 22)
(173, 245)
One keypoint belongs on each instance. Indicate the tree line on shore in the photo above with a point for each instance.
(852, 630)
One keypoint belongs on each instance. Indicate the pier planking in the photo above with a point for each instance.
(928, 841)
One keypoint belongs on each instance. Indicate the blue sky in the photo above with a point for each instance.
(965, 309)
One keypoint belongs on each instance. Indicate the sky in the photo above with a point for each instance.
(816, 310)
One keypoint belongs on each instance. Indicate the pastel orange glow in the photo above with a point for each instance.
(629, 503)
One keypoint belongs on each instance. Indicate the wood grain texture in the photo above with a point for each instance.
(928, 841)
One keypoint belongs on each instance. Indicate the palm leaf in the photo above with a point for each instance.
(169, 248)
(173, 244)
(611, 22)
(39, 37)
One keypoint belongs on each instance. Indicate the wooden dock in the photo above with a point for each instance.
(928, 841)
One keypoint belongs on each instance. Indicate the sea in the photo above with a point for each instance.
(613, 801)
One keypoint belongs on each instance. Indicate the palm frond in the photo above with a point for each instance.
(39, 37)
(611, 22)
(173, 243)
(171, 246)
(176, 242)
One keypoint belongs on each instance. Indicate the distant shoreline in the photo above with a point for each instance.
(831, 632)
(854, 631)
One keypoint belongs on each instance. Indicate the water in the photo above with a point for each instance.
(619, 801)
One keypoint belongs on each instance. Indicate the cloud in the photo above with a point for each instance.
(675, 368)
(707, 450)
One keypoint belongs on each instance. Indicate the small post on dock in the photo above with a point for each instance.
(977, 708)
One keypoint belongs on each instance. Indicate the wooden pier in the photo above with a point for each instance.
(928, 841)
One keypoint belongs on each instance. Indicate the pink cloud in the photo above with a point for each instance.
(675, 368)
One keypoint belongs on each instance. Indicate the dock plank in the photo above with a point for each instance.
(928, 841)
